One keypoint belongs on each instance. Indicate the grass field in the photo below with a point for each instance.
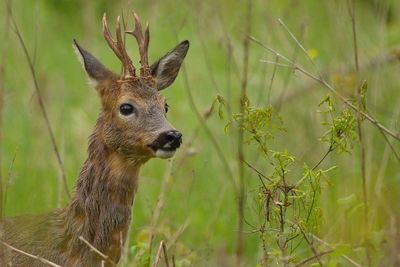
(190, 201)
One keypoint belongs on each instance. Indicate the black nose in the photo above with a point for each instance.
(173, 139)
(169, 140)
(173, 136)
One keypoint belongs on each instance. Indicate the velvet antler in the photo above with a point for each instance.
(119, 48)
(143, 43)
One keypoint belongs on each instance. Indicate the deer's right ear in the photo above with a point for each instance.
(96, 71)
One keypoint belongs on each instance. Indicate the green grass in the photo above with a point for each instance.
(200, 191)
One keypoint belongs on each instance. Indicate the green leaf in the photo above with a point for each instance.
(221, 100)
(332, 263)
(350, 199)
(213, 105)
(227, 127)
(353, 210)
(341, 249)
(220, 113)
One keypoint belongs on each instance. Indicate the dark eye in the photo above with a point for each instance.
(166, 107)
(126, 109)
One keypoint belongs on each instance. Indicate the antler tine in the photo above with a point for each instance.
(147, 38)
(143, 43)
(118, 47)
(128, 65)
(109, 39)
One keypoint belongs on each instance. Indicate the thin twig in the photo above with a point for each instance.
(186, 150)
(272, 80)
(390, 145)
(352, 12)
(167, 181)
(158, 256)
(230, 63)
(315, 257)
(328, 245)
(178, 233)
(30, 255)
(314, 190)
(300, 46)
(165, 254)
(280, 100)
(323, 158)
(390, 56)
(240, 149)
(4, 51)
(257, 171)
(207, 130)
(310, 244)
(8, 181)
(275, 63)
(41, 101)
(295, 66)
(95, 250)
(173, 261)
(209, 64)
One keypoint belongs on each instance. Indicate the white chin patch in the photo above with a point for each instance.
(164, 154)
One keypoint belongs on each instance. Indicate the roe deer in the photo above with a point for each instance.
(131, 128)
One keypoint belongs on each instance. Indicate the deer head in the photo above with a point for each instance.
(133, 117)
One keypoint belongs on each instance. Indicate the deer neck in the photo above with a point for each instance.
(100, 210)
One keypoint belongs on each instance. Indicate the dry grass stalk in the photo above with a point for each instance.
(161, 250)
(305, 261)
(390, 56)
(322, 81)
(4, 51)
(95, 250)
(344, 256)
(160, 204)
(30, 255)
(203, 123)
(352, 11)
(158, 255)
(240, 140)
(178, 233)
(9, 179)
(40, 99)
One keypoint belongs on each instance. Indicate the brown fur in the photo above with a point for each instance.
(100, 210)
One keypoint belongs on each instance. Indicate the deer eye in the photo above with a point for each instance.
(126, 109)
(166, 107)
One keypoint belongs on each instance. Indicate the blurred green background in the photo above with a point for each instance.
(198, 197)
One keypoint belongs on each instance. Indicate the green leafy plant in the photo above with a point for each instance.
(286, 200)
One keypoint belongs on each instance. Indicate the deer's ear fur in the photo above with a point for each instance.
(165, 70)
(96, 71)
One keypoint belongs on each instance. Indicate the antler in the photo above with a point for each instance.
(143, 43)
(119, 48)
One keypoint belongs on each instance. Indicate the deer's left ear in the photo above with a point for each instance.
(166, 68)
